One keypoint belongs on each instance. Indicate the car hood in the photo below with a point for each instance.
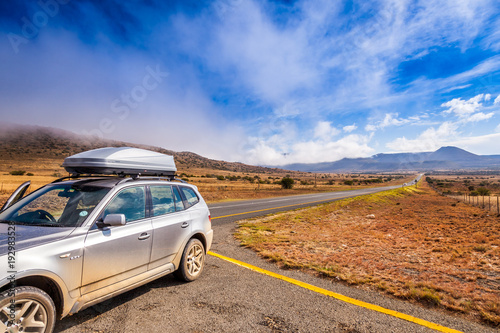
(28, 236)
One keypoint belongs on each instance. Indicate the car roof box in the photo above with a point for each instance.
(121, 161)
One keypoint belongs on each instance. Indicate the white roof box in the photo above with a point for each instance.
(121, 161)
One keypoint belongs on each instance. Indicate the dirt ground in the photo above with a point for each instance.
(410, 243)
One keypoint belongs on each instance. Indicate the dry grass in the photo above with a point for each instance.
(410, 243)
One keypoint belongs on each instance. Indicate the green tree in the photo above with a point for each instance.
(483, 191)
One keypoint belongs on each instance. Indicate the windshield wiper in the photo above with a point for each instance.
(32, 224)
(45, 225)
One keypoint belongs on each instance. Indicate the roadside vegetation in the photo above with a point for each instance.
(411, 243)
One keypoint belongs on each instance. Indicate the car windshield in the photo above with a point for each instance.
(61, 205)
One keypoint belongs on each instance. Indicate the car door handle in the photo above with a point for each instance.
(185, 225)
(144, 236)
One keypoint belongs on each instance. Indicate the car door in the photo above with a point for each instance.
(171, 224)
(113, 254)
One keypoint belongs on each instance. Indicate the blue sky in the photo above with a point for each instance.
(260, 82)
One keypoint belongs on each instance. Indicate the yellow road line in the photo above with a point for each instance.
(263, 210)
(343, 298)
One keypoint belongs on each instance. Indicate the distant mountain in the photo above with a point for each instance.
(443, 159)
(26, 142)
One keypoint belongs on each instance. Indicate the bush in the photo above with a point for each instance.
(348, 182)
(221, 177)
(287, 182)
(483, 191)
(29, 174)
(17, 172)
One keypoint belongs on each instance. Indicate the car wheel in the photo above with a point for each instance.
(192, 262)
(29, 310)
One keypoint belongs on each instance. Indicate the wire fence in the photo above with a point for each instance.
(487, 202)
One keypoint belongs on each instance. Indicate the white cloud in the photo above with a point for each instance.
(429, 140)
(463, 108)
(390, 119)
(325, 131)
(350, 128)
(468, 110)
(479, 116)
(312, 151)
(478, 144)
(370, 128)
(272, 62)
(497, 100)
(315, 151)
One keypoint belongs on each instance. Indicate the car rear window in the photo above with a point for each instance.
(190, 194)
(163, 200)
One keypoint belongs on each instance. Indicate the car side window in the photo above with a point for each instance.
(190, 195)
(179, 205)
(131, 202)
(163, 200)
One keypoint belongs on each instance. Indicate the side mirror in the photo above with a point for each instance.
(112, 220)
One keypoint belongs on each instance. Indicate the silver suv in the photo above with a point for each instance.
(76, 242)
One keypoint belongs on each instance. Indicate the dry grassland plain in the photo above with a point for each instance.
(411, 243)
(214, 185)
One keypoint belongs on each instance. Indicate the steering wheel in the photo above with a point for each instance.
(42, 214)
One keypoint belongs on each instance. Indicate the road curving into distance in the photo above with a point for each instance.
(240, 292)
(228, 212)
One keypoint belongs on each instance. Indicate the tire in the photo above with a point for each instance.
(192, 261)
(32, 308)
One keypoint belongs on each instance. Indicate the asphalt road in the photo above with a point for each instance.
(229, 212)
(231, 298)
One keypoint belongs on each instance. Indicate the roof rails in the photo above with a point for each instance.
(73, 176)
(123, 176)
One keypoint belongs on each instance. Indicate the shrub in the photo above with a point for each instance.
(29, 174)
(348, 182)
(17, 172)
(221, 177)
(483, 191)
(287, 182)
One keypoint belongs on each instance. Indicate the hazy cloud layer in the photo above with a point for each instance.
(255, 81)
